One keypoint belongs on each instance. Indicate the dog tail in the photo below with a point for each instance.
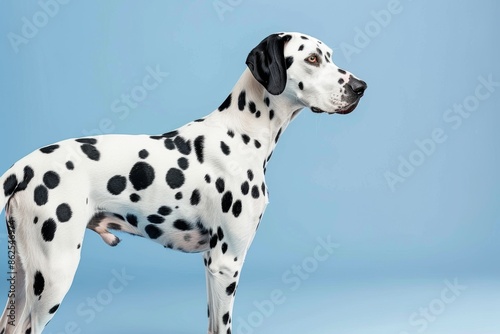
(12, 181)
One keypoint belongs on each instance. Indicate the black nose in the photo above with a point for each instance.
(357, 86)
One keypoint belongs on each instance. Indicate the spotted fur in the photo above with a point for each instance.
(199, 188)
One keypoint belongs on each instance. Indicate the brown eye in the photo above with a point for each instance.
(313, 60)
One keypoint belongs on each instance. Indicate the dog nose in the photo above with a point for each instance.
(357, 86)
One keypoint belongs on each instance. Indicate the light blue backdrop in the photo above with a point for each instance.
(406, 186)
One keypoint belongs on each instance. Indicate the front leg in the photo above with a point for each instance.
(223, 263)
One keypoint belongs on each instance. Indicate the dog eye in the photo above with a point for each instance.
(312, 59)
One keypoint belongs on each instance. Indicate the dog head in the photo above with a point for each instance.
(301, 67)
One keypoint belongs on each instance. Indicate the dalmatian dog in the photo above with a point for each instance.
(198, 189)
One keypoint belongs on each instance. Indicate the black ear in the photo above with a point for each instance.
(267, 63)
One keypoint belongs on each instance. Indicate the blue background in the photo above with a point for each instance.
(397, 247)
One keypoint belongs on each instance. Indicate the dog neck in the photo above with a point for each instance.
(251, 111)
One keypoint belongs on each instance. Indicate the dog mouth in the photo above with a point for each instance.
(348, 109)
(342, 111)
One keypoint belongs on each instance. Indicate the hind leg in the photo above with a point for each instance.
(16, 297)
(46, 287)
(49, 251)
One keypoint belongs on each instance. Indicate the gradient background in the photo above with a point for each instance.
(397, 247)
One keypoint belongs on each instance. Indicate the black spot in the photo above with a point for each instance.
(132, 219)
(69, 165)
(318, 50)
(230, 289)
(301, 47)
(288, 62)
(227, 201)
(199, 145)
(143, 154)
(245, 138)
(182, 225)
(301, 85)
(207, 178)
(170, 134)
(38, 284)
(342, 71)
(178, 196)
(257, 114)
(226, 103)
(175, 178)
(230, 133)
(213, 241)
(341, 81)
(114, 226)
(235, 274)
(278, 135)
(35, 220)
(91, 152)
(225, 318)
(202, 229)
(251, 107)
(237, 208)
(169, 144)
(242, 100)
(183, 163)
(328, 54)
(250, 174)
(271, 114)
(153, 231)
(135, 198)
(164, 210)
(187, 237)
(195, 197)
(182, 145)
(10, 185)
(220, 233)
(49, 228)
(54, 309)
(257, 143)
(41, 195)
(304, 37)
(51, 179)
(266, 101)
(245, 187)
(263, 187)
(91, 141)
(78, 246)
(63, 212)
(28, 331)
(220, 185)
(49, 149)
(28, 175)
(117, 184)
(199, 120)
(156, 219)
(255, 192)
(96, 219)
(327, 59)
(141, 175)
(116, 215)
(225, 149)
(224, 248)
